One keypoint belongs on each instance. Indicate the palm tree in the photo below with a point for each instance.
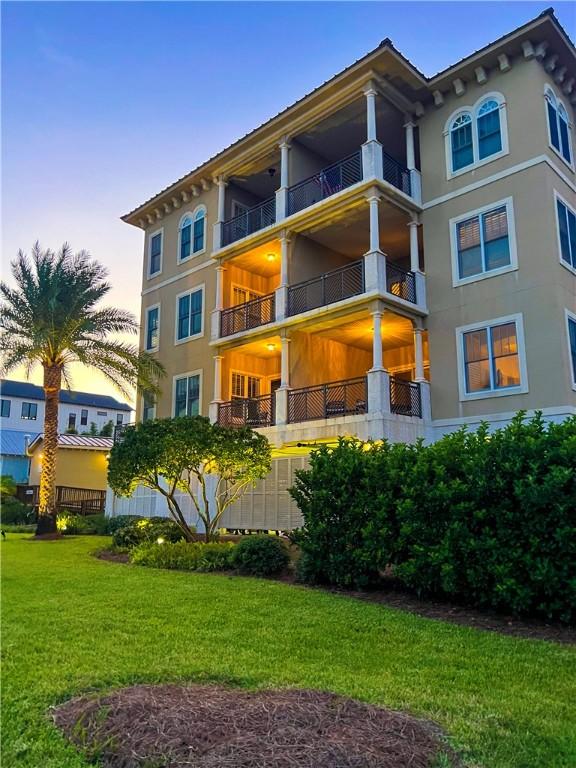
(50, 318)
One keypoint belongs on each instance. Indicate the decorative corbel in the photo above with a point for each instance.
(481, 75)
(528, 49)
(550, 63)
(205, 184)
(438, 98)
(504, 63)
(459, 86)
(175, 202)
(185, 196)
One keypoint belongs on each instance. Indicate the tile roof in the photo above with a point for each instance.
(79, 441)
(11, 388)
(13, 442)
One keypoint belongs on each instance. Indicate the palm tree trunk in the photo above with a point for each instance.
(47, 502)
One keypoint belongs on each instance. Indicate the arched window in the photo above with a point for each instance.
(558, 125)
(461, 142)
(488, 124)
(199, 234)
(185, 238)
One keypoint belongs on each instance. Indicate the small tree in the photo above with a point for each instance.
(107, 430)
(171, 455)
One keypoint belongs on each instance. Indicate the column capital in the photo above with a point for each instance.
(218, 357)
(372, 197)
(370, 89)
(286, 234)
(414, 222)
(409, 122)
(285, 143)
(376, 313)
(220, 268)
(220, 181)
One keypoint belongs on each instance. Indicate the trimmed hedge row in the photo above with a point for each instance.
(485, 518)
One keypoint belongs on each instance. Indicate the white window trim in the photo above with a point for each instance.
(185, 215)
(199, 335)
(522, 388)
(558, 197)
(148, 310)
(473, 112)
(151, 275)
(198, 372)
(557, 152)
(508, 203)
(570, 316)
(194, 253)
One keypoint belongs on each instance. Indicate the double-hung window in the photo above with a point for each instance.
(71, 421)
(245, 386)
(29, 411)
(84, 417)
(5, 405)
(489, 133)
(483, 243)
(461, 142)
(119, 419)
(189, 315)
(148, 406)
(187, 395)
(566, 233)
(571, 328)
(185, 238)
(155, 256)
(558, 126)
(152, 328)
(491, 358)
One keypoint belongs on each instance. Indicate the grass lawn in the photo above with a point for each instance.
(72, 623)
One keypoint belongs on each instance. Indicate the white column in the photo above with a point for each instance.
(377, 358)
(285, 239)
(418, 354)
(217, 237)
(414, 255)
(410, 153)
(218, 377)
(282, 192)
(219, 288)
(285, 362)
(374, 224)
(370, 93)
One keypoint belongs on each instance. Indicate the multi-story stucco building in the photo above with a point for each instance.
(392, 256)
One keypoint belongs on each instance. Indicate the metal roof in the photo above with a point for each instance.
(11, 388)
(85, 442)
(13, 442)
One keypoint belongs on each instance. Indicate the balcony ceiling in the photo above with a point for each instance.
(356, 330)
(260, 348)
(350, 234)
(255, 178)
(258, 262)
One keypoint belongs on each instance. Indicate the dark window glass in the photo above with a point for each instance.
(189, 315)
(6, 408)
(553, 123)
(71, 420)
(564, 139)
(148, 407)
(567, 231)
(572, 339)
(461, 138)
(489, 137)
(30, 411)
(199, 232)
(84, 417)
(152, 328)
(155, 253)
(119, 418)
(185, 238)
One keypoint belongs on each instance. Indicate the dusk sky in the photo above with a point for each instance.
(104, 104)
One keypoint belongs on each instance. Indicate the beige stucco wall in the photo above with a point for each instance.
(75, 468)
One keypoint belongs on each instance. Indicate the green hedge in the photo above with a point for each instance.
(138, 531)
(260, 556)
(184, 556)
(489, 519)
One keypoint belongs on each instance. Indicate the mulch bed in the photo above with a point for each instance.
(202, 726)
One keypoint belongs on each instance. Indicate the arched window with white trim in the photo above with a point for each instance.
(199, 230)
(476, 134)
(489, 132)
(558, 125)
(461, 142)
(185, 237)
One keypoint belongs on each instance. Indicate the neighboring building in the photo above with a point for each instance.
(392, 256)
(82, 461)
(22, 409)
(14, 460)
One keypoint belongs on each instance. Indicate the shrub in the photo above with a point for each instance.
(145, 530)
(184, 556)
(120, 521)
(489, 519)
(260, 555)
(347, 497)
(80, 525)
(15, 512)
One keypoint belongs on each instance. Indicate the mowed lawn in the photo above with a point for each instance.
(72, 623)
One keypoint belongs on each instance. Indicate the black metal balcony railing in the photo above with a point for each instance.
(396, 174)
(405, 397)
(339, 284)
(251, 314)
(401, 282)
(325, 183)
(249, 412)
(325, 401)
(256, 218)
(120, 431)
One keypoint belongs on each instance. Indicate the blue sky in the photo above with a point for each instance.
(104, 104)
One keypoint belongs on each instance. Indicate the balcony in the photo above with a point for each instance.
(401, 282)
(328, 288)
(396, 174)
(247, 412)
(250, 221)
(251, 314)
(405, 397)
(326, 401)
(325, 183)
